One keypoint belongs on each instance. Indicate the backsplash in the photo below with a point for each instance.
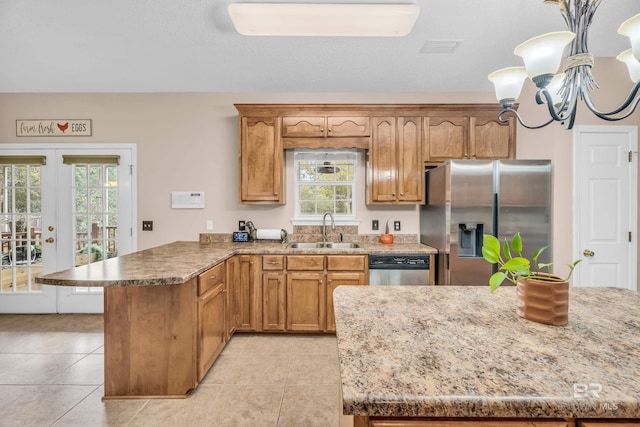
(313, 233)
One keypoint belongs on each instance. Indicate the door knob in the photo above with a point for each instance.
(49, 240)
(587, 252)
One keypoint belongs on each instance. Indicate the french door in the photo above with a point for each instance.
(62, 206)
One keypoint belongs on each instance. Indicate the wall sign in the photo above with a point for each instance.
(53, 127)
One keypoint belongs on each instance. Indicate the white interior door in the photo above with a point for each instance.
(606, 205)
(79, 208)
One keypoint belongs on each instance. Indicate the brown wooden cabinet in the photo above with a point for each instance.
(211, 317)
(274, 293)
(150, 340)
(306, 308)
(250, 304)
(399, 140)
(395, 166)
(490, 139)
(325, 126)
(463, 422)
(311, 280)
(261, 161)
(232, 282)
(445, 138)
(609, 423)
(306, 291)
(478, 136)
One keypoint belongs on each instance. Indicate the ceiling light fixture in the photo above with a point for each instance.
(543, 55)
(323, 19)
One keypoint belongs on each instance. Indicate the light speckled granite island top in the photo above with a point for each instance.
(463, 352)
(177, 262)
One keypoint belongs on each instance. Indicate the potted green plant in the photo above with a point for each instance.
(541, 296)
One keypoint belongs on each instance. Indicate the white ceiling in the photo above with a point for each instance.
(191, 46)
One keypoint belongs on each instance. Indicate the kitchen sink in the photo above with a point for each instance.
(321, 245)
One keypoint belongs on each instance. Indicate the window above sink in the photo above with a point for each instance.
(325, 180)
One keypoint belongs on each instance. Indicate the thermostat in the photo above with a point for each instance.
(187, 200)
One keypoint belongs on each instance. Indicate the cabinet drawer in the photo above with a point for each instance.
(346, 262)
(305, 262)
(273, 262)
(210, 278)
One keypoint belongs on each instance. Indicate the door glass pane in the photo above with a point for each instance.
(95, 192)
(21, 227)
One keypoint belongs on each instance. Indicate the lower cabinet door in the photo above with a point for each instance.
(211, 328)
(274, 295)
(333, 281)
(306, 306)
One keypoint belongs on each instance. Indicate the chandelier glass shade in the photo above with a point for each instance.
(563, 80)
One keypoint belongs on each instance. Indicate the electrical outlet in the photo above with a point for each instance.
(147, 225)
(396, 225)
(375, 225)
(209, 224)
(241, 225)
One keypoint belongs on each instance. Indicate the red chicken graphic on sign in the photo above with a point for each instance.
(63, 127)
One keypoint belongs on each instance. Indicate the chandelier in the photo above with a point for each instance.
(542, 57)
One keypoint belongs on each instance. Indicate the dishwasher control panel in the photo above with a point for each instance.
(399, 262)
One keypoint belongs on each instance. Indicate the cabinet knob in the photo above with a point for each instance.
(402, 194)
(474, 154)
(275, 194)
(466, 154)
(330, 129)
(321, 129)
(393, 194)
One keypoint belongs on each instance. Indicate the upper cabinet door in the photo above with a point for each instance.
(382, 161)
(325, 127)
(410, 163)
(304, 127)
(261, 161)
(489, 139)
(446, 138)
(348, 126)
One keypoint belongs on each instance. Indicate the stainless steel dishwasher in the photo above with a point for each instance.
(398, 269)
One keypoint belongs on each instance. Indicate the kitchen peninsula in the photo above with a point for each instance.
(170, 310)
(442, 355)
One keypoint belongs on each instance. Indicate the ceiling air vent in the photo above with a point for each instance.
(432, 46)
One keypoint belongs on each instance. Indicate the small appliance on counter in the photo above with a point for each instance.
(241, 236)
(260, 234)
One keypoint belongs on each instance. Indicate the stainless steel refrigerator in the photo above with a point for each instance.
(468, 198)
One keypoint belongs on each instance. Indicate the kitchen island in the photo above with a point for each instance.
(449, 354)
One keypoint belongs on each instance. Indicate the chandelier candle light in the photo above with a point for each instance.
(543, 55)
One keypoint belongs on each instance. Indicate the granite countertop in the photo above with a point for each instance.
(456, 351)
(178, 262)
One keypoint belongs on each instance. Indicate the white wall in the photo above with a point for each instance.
(189, 141)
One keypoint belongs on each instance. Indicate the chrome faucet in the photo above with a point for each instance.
(324, 226)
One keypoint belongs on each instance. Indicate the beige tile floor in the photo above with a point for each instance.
(51, 374)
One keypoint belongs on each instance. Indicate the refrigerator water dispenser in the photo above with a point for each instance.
(470, 237)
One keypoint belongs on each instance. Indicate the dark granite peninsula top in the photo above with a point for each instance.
(177, 262)
(463, 352)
